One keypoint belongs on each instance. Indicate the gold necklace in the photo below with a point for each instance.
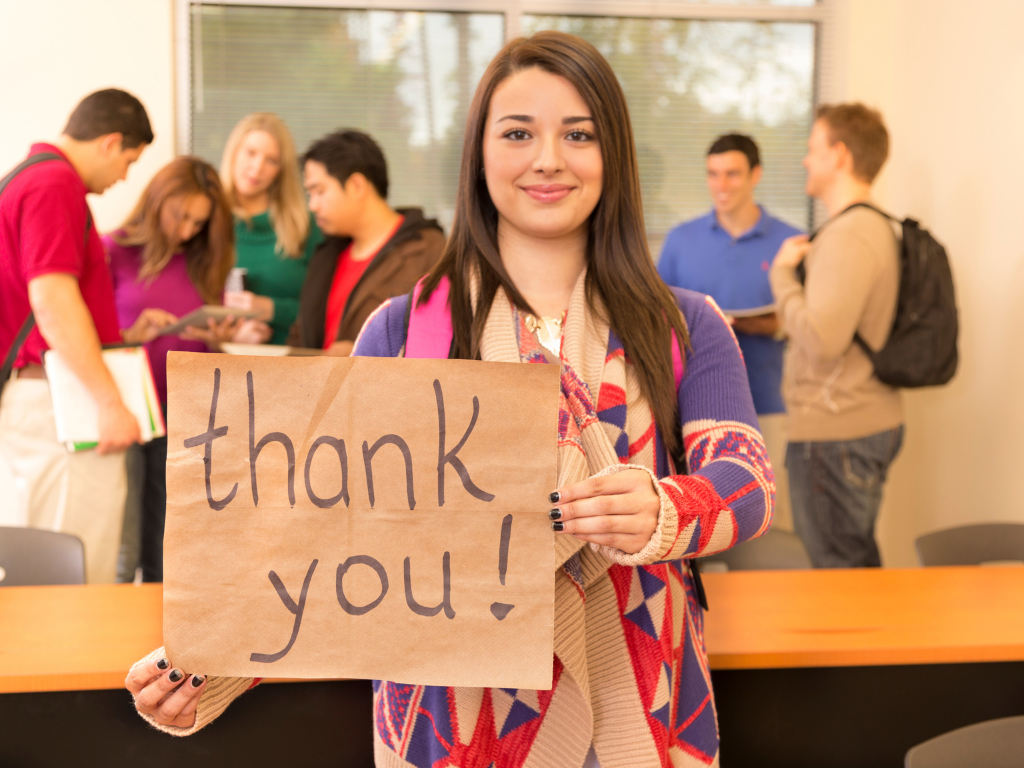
(548, 331)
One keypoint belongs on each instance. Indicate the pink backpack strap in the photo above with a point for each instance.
(430, 328)
(677, 362)
(430, 324)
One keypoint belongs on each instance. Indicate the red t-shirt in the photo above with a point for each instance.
(42, 230)
(346, 275)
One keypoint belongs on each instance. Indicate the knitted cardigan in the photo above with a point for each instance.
(631, 675)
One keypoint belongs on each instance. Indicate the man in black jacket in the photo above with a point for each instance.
(372, 251)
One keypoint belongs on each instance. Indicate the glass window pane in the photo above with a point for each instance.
(687, 82)
(406, 78)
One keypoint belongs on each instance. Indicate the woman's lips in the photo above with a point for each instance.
(547, 193)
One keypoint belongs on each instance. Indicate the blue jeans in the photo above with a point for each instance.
(836, 490)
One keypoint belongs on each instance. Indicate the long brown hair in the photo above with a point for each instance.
(210, 255)
(288, 213)
(640, 308)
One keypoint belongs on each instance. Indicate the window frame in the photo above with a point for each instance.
(828, 17)
(824, 15)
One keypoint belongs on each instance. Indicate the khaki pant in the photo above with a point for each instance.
(42, 485)
(773, 430)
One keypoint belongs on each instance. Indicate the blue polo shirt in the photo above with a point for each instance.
(703, 257)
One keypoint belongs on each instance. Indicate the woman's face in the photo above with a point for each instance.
(257, 163)
(183, 217)
(542, 159)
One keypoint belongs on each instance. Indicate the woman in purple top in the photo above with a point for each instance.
(173, 253)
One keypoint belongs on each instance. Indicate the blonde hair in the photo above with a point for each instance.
(288, 213)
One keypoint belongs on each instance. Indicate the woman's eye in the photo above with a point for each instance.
(516, 134)
(580, 135)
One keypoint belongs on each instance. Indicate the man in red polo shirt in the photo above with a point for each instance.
(53, 264)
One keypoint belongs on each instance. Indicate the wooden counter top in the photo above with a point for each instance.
(86, 637)
(847, 617)
(76, 638)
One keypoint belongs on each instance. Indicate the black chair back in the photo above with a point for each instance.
(776, 550)
(34, 557)
(972, 544)
(992, 744)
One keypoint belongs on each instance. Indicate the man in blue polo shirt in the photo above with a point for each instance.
(727, 254)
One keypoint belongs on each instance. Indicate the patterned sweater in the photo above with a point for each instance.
(631, 675)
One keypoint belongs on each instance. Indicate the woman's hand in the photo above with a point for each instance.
(214, 334)
(169, 696)
(619, 510)
(249, 301)
(252, 332)
(147, 326)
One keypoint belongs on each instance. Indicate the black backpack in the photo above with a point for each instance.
(921, 350)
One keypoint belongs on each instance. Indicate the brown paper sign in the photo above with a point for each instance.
(360, 517)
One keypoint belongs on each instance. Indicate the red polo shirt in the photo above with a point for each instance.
(42, 230)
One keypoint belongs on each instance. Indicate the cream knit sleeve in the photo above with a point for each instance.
(219, 693)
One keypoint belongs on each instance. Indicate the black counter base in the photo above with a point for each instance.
(855, 717)
(835, 717)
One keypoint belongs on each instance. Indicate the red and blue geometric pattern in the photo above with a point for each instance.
(725, 498)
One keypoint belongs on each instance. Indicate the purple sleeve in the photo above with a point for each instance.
(728, 495)
(383, 333)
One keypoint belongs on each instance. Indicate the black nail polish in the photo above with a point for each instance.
(554, 497)
(163, 664)
(176, 675)
(556, 526)
(197, 680)
(555, 514)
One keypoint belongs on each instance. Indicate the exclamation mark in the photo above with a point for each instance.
(500, 610)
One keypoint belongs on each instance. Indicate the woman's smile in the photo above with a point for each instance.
(548, 193)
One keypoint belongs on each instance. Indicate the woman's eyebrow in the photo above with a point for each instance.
(529, 119)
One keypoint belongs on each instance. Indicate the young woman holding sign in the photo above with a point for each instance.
(548, 262)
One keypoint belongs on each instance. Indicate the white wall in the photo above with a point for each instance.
(54, 52)
(947, 75)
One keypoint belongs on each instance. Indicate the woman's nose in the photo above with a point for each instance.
(549, 156)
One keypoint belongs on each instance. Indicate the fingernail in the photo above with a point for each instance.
(558, 526)
(197, 680)
(554, 497)
(163, 664)
(555, 514)
(176, 675)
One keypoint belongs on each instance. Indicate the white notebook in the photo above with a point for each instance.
(75, 412)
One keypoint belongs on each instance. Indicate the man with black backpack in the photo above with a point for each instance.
(56, 293)
(845, 423)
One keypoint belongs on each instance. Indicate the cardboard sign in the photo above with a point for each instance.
(360, 517)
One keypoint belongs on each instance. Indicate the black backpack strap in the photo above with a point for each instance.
(30, 321)
(12, 353)
(698, 585)
(28, 162)
(801, 270)
(864, 346)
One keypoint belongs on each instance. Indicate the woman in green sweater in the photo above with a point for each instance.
(274, 232)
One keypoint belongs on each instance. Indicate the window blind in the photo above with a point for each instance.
(405, 78)
(688, 82)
